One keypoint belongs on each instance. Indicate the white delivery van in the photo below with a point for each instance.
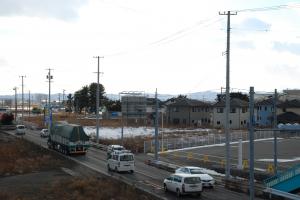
(121, 161)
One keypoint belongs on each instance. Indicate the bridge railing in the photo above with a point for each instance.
(283, 176)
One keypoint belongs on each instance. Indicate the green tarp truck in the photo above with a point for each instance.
(68, 139)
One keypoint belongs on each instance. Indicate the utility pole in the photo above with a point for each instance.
(97, 97)
(49, 77)
(22, 96)
(227, 102)
(275, 131)
(29, 103)
(63, 101)
(16, 103)
(156, 126)
(251, 144)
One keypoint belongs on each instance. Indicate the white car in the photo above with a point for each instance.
(20, 130)
(207, 180)
(44, 133)
(183, 184)
(121, 161)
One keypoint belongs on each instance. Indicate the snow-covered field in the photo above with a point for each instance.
(115, 133)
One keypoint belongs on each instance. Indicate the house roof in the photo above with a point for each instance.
(295, 103)
(189, 102)
(288, 117)
(233, 103)
(264, 102)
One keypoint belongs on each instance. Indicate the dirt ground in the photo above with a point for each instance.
(29, 172)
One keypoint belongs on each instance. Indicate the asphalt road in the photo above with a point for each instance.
(145, 176)
(287, 153)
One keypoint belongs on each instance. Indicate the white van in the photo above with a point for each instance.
(120, 161)
(20, 129)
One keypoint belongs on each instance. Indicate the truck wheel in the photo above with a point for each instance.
(116, 169)
(131, 171)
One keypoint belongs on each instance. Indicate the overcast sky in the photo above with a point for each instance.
(175, 46)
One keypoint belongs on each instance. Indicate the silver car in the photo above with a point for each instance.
(207, 180)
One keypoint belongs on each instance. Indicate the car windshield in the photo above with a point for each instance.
(126, 157)
(196, 171)
(21, 127)
(46, 130)
(192, 180)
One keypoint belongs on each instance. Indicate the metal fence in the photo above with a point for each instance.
(209, 139)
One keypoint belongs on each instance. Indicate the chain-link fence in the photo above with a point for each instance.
(209, 139)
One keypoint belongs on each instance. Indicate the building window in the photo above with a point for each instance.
(244, 121)
(241, 122)
(244, 110)
(194, 109)
(220, 110)
(218, 122)
(232, 110)
(266, 108)
(175, 109)
(230, 122)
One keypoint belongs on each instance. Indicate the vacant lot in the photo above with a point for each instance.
(30, 172)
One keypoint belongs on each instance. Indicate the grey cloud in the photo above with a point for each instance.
(293, 48)
(60, 9)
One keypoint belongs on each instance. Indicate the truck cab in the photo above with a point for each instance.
(120, 161)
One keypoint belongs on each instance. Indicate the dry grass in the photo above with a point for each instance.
(19, 157)
(92, 188)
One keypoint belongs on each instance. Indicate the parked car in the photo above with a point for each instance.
(20, 130)
(183, 184)
(44, 133)
(207, 180)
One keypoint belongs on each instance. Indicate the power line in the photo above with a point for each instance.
(173, 36)
(269, 8)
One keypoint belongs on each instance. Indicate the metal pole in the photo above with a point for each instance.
(97, 98)
(22, 97)
(16, 104)
(156, 126)
(29, 105)
(251, 143)
(162, 132)
(275, 132)
(49, 77)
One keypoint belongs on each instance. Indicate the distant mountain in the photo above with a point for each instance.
(204, 96)
(38, 97)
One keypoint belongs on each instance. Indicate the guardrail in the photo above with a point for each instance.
(99, 146)
(286, 195)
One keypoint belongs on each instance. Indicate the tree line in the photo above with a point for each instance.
(85, 100)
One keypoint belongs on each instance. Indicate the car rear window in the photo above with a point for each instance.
(192, 180)
(196, 171)
(126, 158)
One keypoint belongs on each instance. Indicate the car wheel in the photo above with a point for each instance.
(178, 194)
(108, 168)
(199, 194)
(116, 169)
(165, 188)
(131, 171)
